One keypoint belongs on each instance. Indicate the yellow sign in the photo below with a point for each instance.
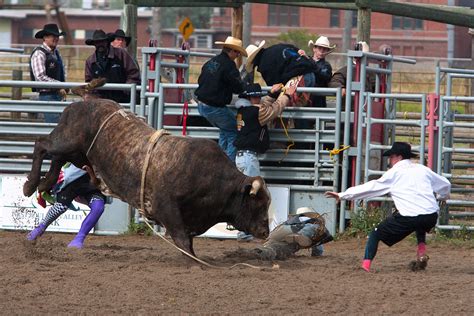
(186, 28)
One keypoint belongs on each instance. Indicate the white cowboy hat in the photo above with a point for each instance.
(233, 43)
(252, 51)
(322, 41)
(365, 46)
(304, 209)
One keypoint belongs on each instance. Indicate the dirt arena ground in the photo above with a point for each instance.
(143, 275)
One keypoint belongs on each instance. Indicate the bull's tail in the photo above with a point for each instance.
(86, 91)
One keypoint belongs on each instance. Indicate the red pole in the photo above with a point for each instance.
(433, 101)
(152, 66)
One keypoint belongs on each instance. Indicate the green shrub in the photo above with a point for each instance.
(364, 220)
(139, 229)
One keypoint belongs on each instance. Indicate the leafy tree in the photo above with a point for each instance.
(298, 37)
(200, 16)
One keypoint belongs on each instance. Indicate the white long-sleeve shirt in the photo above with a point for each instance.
(411, 186)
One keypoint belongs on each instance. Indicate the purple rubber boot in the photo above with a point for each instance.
(97, 208)
(35, 233)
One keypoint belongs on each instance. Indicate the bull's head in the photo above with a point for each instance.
(253, 217)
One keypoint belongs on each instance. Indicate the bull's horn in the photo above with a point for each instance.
(256, 185)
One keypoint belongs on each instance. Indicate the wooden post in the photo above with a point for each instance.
(237, 27)
(130, 19)
(16, 92)
(363, 25)
(247, 24)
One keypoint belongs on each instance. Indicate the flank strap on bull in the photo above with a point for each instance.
(121, 112)
(151, 145)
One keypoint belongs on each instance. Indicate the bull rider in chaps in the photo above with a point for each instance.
(114, 64)
(218, 80)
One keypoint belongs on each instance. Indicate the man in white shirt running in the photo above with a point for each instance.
(412, 187)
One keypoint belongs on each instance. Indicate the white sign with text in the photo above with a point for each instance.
(24, 213)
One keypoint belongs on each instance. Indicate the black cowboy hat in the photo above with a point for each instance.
(253, 90)
(99, 35)
(49, 29)
(120, 33)
(402, 149)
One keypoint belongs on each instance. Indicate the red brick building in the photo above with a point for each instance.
(21, 25)
(407, 36)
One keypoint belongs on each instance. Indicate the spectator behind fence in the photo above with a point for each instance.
(322, 69)
(218, 80)
(120, 39)
(46, 65)
(339, 78)
(114, 64)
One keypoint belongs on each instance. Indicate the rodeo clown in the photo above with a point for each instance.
(75, 184)
(412, 187)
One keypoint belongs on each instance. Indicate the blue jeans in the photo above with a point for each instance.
(50, 117)
(224, 119)
(247, 163)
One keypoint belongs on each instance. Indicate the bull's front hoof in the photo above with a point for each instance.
(28, 188)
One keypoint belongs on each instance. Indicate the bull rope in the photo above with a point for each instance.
(151, 145)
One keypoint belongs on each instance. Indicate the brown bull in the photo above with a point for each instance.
(189, 184)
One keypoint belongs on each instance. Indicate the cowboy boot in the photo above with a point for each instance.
(35, 233)
(97, 208)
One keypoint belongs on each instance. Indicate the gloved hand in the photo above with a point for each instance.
(63, 93)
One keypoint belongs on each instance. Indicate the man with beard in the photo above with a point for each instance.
(114, 64)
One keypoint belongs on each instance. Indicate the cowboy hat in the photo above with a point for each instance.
(363, 46)
(322, 41)
(49, 29)
(400, 148)
(233, 43)
(252, 52)
(97, 36)
(120, 33)
(304, 209)
(253, 90)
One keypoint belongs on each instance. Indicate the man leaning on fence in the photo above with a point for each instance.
(114, 64)
(46, 65)
(218, 80)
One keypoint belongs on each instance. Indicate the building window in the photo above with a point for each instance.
(28, 33)
(89, 33)
(354, 19)
(334, 19)
(280, 15)
(404, 23)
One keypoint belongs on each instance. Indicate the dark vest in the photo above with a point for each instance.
(53, 64)
(114, 72)
(250, 134)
